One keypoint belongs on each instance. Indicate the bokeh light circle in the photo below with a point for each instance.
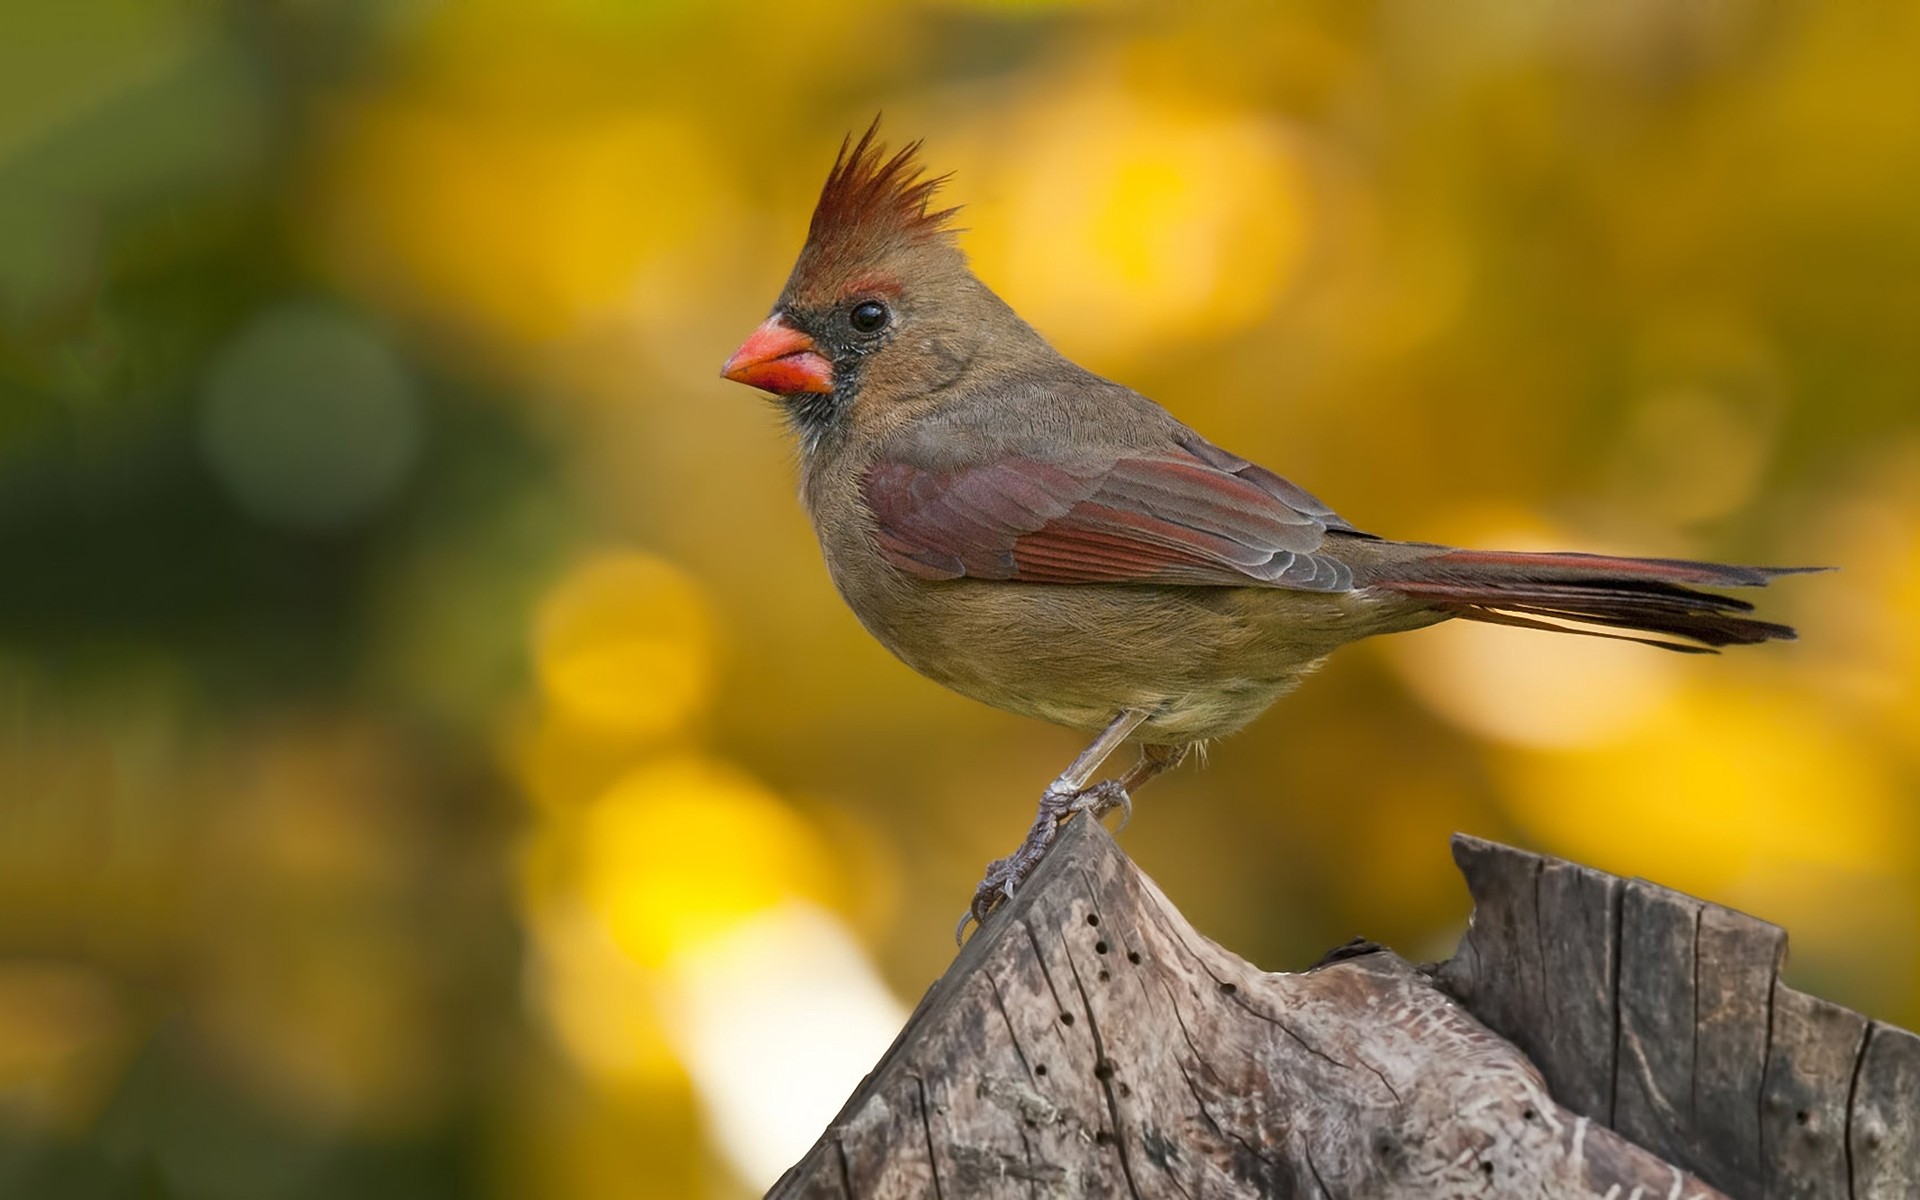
(1128, 226)
(624, 643)
(680, 851)
(308, 420)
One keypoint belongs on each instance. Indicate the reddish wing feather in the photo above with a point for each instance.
(1172, 518)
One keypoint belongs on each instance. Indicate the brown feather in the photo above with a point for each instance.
(873, 200)
(1172, 517)
(1650, 595)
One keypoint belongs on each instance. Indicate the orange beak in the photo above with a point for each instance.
(779, 358)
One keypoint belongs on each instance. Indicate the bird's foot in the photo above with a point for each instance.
(1005, 875)
(1102, 798)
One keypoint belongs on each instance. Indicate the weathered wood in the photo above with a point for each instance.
(1539, 966)
(1884, 1127)
(1088, 1042)
(1715, 1064)
(1805, 1101)
(1735, 963)
(1579, 920)
(1654, 1052)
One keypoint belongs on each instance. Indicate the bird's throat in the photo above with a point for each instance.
(817, 418)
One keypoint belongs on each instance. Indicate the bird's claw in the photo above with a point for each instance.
(1004, 875)
(1102, 798)
(994, 889)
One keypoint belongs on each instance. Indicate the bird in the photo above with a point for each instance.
(1055, 544)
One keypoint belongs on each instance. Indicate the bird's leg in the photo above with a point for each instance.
(1103, 798)
(1063, 797)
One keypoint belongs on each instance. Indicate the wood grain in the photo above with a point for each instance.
(1088, 1042)
(1713, 1063)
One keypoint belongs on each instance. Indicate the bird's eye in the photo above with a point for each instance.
(868, 316)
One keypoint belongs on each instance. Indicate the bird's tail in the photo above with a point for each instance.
(1657, 596)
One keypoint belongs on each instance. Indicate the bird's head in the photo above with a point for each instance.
(881, 306)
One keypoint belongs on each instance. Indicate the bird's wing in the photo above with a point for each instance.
(1192, 514)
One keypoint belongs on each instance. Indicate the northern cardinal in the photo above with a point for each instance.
(1052, 543)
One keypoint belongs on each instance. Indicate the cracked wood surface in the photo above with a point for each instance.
(1088, 1042)
(1664, 1017)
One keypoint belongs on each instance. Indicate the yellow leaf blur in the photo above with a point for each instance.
(679, 851)
(624, 643)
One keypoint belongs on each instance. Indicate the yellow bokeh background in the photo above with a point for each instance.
(433, 760)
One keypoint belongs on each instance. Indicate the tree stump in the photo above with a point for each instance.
(1592, 1037)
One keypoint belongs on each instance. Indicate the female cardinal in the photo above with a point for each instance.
(1052, 543)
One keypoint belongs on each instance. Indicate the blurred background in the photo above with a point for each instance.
(433, 761)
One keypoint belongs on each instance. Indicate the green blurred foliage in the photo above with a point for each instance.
(388, 578)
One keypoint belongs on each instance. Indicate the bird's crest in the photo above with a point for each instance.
(872, 199)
